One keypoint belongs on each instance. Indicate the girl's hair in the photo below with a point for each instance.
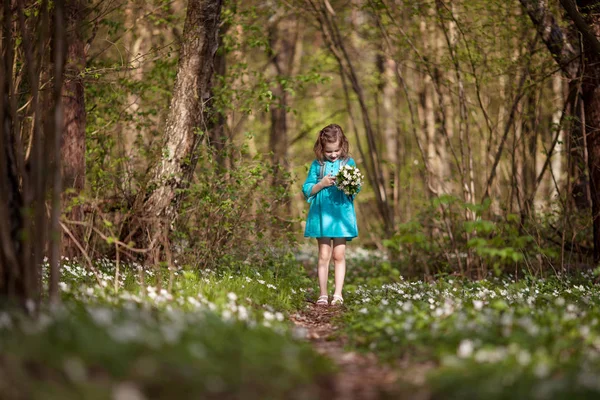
(331, 134)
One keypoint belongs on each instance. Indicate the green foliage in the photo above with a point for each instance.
(233, 214)
(449, 233)
(497, 338)
(216, 335)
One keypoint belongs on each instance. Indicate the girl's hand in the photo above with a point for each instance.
(327, 181)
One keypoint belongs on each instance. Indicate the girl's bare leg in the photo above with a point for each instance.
(323, 264)
(339, 263)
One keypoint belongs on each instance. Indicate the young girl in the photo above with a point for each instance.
(331, 217)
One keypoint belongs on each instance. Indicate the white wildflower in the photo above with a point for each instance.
(269, 316)
(478, 304)
(465, 348)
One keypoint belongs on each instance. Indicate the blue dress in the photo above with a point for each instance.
(331, 211)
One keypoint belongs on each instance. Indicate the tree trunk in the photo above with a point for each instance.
(390, 131)
(217, 137)
(187, 114)
(73, 144)
(565, 54)
(557, 158)
(591, 117)
(26, 236)
(529, 137)
(283, 37)
(137, 42)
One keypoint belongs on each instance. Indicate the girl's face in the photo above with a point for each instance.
(332, 150)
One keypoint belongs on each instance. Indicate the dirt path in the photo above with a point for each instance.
(360, 376)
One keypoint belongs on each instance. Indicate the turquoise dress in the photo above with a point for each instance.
(331, 211)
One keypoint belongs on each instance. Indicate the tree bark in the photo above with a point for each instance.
(74, 117)
(529, 138)
(187, 114)
(557, 160)
(588, 66)
(26, 236)
(217, 137)
(591, 106)
(138, 43)
(555, 39)
(283, 38)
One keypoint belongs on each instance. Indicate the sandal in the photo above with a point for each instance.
(323, 300)
(337, 300)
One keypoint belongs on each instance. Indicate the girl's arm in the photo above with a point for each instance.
(316, 188)
(311, 185)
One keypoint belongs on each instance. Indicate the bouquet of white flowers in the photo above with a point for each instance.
(349, 180)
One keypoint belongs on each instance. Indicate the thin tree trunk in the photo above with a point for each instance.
(73, 144)
(390, 130)
(137, 42)
(558, 157)
(529, 138)
(283, 37)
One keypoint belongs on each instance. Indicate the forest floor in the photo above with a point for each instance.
(360, 376)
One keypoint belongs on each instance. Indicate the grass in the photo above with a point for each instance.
(225, 334)
(495, 339)
(215, 335)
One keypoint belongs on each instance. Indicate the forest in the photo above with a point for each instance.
(152, 161)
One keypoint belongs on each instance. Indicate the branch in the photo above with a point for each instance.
(511, 117)
(83, 252)
(581, 25)
(553, 36)
(311, 128)
(107, 239)
(559, 128)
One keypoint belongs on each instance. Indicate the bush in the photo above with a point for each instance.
(450, 236)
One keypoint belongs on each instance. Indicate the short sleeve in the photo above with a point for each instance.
(311, 180)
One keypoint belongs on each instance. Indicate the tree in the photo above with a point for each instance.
(26, 182)
(285, 35)
(73, 144)
(583, 70)
(188, 114)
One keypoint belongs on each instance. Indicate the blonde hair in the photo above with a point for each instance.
(331, 134)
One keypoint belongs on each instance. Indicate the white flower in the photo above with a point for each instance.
(523, 358)
(478, 304)
(5, 321)
(242, 313)
(541, 370)
(232, 296)
(269, 316)
(101, 316)
(465, 348)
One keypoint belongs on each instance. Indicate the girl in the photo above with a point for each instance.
(331, 217)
